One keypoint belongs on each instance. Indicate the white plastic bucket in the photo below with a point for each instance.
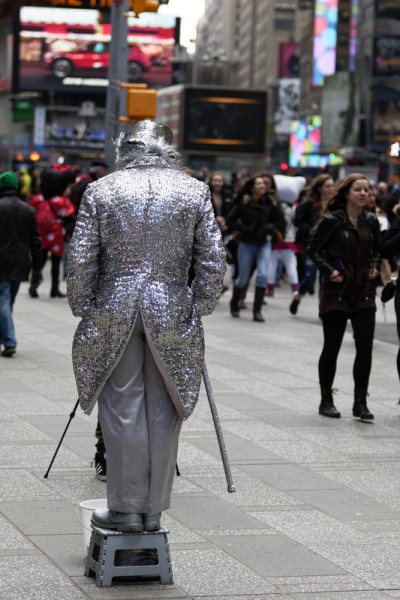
(85, 511)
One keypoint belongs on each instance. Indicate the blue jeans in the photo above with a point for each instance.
(8, 292)
(248, 254)
(310, 272)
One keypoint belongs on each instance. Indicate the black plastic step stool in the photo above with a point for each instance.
(105, 543)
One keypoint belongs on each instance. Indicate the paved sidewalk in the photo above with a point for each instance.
(316, 515)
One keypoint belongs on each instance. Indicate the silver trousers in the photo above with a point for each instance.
(141, 431)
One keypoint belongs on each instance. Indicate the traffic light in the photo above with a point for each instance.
(139, 6)
(141, 103)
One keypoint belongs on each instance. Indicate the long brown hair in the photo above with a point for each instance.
(339, 198)
(314, 188)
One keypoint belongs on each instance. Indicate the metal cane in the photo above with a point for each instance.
(218, 429)
(71, 416)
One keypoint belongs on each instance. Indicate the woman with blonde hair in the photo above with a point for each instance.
(345, 248)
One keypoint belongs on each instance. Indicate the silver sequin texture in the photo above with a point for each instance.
(131, 250)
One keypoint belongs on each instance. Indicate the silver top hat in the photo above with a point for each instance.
(147, 131)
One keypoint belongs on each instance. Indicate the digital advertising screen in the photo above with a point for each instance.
(305, 139)
(387, 55)
(289, 59)
(218, 120)
(325, 38)
(65, 49)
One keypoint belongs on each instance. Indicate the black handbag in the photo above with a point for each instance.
(389, 290)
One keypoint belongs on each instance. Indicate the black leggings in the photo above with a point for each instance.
(397, 309)
(55, 267)
(334, 325)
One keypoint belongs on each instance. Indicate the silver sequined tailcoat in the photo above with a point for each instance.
(135, 236)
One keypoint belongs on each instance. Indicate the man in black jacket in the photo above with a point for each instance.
(20, 248)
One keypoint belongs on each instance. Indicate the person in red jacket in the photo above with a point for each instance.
(53, 209)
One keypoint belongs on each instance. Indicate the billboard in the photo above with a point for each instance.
(62, 49)
(385, 115)
(289, 61)
(325, 37)
(305, 139)
(340, 111)
(387, 55)
(218, 120)
(288, 104)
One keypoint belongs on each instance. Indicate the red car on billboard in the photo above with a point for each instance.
(94, 56)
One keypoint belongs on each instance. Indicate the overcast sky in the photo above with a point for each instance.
(190, 12)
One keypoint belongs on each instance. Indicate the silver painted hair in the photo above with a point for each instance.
(127, 151)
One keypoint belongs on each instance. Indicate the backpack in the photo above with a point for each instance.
(46, 217)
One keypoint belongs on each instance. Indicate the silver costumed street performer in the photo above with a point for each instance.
(139, 347)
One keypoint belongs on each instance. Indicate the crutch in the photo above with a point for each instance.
(71, 416)
(218, 430)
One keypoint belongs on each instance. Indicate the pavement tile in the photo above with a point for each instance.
(347, 505)
(188, 456)
(35, 456)
(367, 595)
(311, 527)
(376, 563)
(129, 591)
(67, 551)
(76, 488)
(11, 538)
(20, 485)
(20, 431)
(271, 596)
(249, 491)
(210, 513)
(275, 556)
(38, 579)
(32, 404)
(42, 517)
(290, 477)
(322, 583)
(215, 573)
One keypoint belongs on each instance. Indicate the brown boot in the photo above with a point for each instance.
(258, 302)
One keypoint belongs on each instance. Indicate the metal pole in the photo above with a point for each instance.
(218, 429)
(117, 71)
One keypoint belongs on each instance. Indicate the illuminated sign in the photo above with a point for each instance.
(305, 139)
(69, 49)
(325, 37)
(224, 121)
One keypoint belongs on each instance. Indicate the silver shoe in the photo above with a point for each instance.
(152, 522)
(118, 521)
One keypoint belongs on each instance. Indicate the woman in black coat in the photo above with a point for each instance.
(391, 249)
(345, 248)
(256, 219)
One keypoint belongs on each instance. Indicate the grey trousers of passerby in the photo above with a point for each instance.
(141, 430)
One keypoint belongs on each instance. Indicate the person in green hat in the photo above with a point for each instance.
(20, 251)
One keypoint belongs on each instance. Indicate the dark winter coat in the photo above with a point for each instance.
(256, 220)
(20, 245)
(391, 240)
(337, 244)
(306, 216)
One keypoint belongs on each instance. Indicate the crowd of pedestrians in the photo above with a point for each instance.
(338, 239)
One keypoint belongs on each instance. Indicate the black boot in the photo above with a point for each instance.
(258, 302)
(327, 408)
(234, 303)
(360, 408)
(55, 293)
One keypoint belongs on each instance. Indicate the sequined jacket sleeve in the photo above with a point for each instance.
(210, 259)
(83, 257)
